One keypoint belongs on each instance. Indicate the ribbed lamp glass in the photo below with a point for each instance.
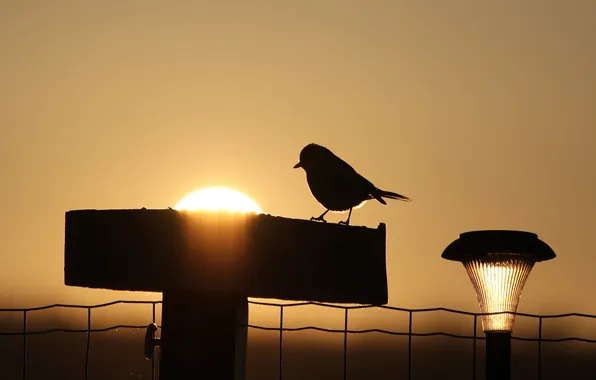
(498, 282)
(498, 263)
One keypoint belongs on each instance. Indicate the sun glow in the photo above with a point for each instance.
(218, 198)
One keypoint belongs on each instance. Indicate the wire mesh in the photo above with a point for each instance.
(281, 329)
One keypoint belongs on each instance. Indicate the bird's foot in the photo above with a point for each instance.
(320, 219)
(347, 221)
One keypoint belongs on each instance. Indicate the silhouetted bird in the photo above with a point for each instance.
(335, 184)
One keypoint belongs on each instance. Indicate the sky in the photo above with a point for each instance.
(483, 113)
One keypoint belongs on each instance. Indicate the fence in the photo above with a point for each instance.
(474, 337)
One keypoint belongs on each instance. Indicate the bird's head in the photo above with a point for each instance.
(312, 155)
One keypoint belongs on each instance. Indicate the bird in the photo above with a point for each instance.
(336, 185)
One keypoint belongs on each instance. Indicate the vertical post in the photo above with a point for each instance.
(346, 310)
(498, 355)
(539, 348)
(410, 347)
(474, 348)
(241, 337)
(281, 342)
(88, 347)
(24, 344)
(201, 337)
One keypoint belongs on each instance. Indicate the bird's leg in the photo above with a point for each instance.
(320, 217)
(347, 222)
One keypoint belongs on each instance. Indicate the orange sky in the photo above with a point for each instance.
(482, 113)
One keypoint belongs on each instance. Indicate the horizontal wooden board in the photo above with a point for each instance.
(259, 255)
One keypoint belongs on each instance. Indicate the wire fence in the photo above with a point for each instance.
(474, 337)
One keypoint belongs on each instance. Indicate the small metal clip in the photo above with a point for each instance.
(150, 340)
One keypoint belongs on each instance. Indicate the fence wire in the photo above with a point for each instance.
(281, 329)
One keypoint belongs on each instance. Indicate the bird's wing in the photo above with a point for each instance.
(350, 180)
(337, 165)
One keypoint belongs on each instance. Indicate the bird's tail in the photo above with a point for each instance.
(380, 194)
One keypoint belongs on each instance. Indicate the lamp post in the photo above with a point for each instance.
(498, 263)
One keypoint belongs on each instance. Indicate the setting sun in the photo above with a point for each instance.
(218, 198)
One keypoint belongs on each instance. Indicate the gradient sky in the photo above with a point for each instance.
(484, 114)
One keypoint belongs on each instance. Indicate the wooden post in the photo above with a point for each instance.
(201, 335)
(207, 265)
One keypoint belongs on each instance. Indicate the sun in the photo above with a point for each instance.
(218, 198)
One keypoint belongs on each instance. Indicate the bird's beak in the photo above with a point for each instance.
(298, 165)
